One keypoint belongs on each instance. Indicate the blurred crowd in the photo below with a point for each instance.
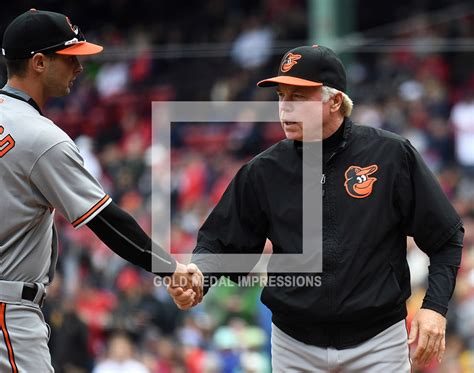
(107, 316)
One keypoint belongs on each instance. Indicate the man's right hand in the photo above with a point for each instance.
(186, 286)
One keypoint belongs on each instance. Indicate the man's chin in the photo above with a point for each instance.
(62, 93)
(293, 136)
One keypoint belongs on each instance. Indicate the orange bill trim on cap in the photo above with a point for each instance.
(82, 48)
(290, 80)
(91, 211)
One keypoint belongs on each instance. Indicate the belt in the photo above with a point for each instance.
(16, 291)
(30, 291)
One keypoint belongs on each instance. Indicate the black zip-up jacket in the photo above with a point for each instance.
(377, 191)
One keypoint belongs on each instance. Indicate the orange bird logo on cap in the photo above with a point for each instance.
(290, 61)
(359, 183)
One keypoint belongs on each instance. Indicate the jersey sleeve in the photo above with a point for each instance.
(60, 176)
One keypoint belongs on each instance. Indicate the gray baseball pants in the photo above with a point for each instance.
(387, 352)
(24, 333)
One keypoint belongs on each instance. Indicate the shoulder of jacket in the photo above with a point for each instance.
(273, 151)
(361, 131)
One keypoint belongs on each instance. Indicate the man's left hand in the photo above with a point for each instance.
(430, 327)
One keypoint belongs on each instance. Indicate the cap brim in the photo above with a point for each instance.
(290, 80)
(81, 49)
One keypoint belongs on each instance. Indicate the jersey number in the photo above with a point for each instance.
(6, 144)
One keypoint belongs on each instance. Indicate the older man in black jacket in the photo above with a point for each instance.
(376, 191)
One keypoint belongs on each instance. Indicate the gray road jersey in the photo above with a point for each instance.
(41, 171)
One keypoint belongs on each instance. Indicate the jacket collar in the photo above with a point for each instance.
(340, 142)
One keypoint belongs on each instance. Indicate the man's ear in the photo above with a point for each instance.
(39, 62)
(337, 102)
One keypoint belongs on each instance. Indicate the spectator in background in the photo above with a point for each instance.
(462, 117)
(120, 357)
(91, 163)
(68, 340)
(112, 79)
(252, 47)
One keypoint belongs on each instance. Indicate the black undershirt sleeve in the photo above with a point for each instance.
(122, 234)
(444, 265)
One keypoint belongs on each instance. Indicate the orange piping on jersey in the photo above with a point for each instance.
(6, 336)
(94, 208)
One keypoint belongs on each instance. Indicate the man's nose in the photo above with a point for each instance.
(286, 105)
(78, 66)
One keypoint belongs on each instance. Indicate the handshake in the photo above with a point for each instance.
(186, 286)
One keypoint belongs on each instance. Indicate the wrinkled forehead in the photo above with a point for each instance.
(314, 92)
(297, 88)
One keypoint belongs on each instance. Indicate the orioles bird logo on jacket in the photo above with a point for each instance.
(359, 183)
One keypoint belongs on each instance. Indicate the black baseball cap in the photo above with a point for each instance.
(309, 66)
(41, 31)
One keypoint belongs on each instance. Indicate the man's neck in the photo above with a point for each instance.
(30, 87)
(332, 126)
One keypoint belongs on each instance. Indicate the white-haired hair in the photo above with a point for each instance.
(347, 104)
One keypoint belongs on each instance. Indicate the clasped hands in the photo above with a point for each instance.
(185, 286)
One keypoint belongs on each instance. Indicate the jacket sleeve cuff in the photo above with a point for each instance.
(428, 304)
(209, 263)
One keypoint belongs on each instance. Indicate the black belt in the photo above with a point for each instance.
(29, 293)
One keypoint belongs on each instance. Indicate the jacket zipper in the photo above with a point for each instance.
(323, 177)
(323, 181)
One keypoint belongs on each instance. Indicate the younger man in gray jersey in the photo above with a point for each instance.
(41, 171)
